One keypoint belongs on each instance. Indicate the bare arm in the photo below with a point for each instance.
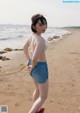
(25, 49)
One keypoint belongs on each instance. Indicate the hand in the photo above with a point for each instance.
(28, 68)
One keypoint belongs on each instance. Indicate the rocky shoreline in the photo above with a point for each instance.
(4, 58)
(49, 40)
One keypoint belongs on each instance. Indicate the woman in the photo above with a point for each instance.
(34, 50)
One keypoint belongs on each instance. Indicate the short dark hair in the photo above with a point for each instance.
(35, 19)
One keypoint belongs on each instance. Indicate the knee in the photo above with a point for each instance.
(43, 97)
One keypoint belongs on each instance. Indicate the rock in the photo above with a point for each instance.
(8, 49)
(1, 52)
(0, 57)
(3, 58)
(18, 49)
(56, 37)
(50, 39)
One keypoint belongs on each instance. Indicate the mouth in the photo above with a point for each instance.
(44, 30)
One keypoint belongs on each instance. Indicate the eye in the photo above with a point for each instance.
(40, 24)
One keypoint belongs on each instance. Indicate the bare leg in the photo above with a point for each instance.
(43, 89)
(36, 92)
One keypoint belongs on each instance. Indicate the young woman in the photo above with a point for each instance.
(34, 50)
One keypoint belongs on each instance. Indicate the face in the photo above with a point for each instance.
(40, 28)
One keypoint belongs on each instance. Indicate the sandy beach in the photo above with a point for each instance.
(63, 57)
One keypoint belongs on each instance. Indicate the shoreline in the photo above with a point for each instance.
(63, 57)
(17, 39)
(50, 40)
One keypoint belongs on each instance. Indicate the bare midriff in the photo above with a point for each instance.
(41, 58)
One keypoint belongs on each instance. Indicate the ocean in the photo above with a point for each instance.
(15, 36)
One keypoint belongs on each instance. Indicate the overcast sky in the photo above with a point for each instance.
(57, 13)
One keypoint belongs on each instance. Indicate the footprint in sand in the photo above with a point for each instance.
(62, 109)
(22, 66)
(79, 71)
(29, 90)
(30, 99)
(73, 80)
(16, 104)
(1, 79)
(59, 102)
(61, 86)
(64, 90)
(51, 101)
(72, 85)
(9, 85)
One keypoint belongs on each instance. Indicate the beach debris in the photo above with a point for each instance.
(8, 49)
(3, 58)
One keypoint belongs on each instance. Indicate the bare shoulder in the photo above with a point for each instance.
(29, 38)
(39, 40)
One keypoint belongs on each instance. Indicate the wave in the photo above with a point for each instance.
(13, 37)
(6, 38)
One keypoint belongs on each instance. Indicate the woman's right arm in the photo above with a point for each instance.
(25, 49)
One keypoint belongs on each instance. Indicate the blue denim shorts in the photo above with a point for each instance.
(40, 72)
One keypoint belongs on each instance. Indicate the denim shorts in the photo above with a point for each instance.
(40, 72)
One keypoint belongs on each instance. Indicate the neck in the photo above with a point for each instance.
(39, 34)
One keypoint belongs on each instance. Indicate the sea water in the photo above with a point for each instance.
(15, 36)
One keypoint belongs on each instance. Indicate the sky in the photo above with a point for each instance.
(57, 13)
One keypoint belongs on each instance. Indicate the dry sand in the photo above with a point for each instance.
(63, 57)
